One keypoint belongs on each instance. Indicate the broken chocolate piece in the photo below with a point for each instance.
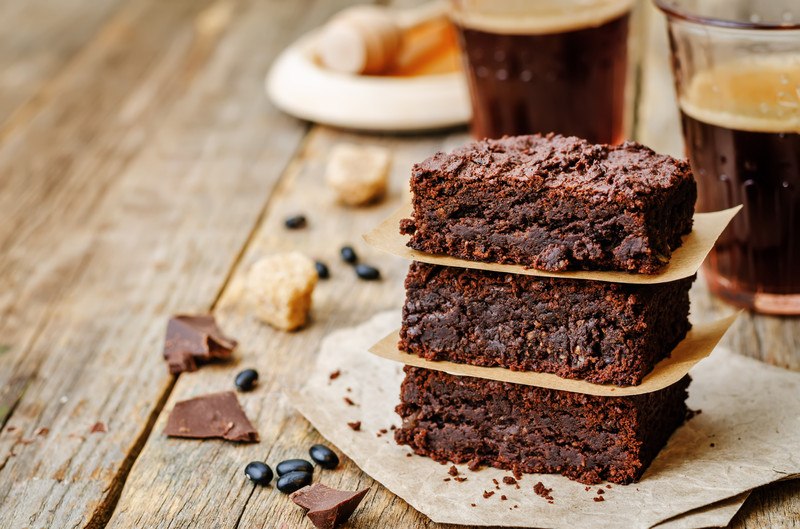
(217, 415)
(327, 508)
(193, 340)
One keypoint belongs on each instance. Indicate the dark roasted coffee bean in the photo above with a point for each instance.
(246, 379)
(293, 481)
(295, 222)
(367, 272)
(322, 270)
(324, 456)
(294, 465)
(349, 255)
(258, 472)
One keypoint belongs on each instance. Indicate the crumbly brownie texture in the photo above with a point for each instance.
(553, 203)
(606, 333)
(536, 430)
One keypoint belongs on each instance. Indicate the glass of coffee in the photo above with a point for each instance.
(547, 66)
(737, 72)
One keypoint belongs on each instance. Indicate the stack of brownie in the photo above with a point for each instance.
(556, 204)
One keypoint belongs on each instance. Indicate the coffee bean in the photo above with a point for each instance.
(258, 472)
(322, 270)
(293, 481)
(324, 456)
(367, 272)
(348, 254)
(246, 379)
(295, 222)
(294, 465)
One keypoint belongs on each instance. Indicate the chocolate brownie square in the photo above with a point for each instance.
(536, 430)
(606, 333)
(553, 203)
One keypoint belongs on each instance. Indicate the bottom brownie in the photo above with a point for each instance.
(536, 430)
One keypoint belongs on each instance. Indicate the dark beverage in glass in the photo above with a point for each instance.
(741, 124)
(547, 66)
(737, 75)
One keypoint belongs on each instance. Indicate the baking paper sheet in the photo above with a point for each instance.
(685, 261)
(698, 344)
(746, 436)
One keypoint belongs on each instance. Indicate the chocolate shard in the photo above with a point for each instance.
(217, 415)
(193, 340)
(327, 508)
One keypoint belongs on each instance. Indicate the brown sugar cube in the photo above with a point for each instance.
(357, 174)
(280, 288)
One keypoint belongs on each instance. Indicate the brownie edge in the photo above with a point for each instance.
(553, 203)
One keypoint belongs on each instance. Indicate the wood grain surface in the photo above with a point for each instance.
(142, 171)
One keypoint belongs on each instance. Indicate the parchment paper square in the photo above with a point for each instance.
(745, 436)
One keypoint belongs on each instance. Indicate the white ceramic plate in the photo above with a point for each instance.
(299, 86)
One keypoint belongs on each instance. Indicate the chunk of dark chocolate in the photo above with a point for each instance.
(193, 340)
(217, 415)
(327, 508)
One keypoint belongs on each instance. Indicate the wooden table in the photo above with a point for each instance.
(141, 170)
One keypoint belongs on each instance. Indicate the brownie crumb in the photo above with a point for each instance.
(335, 374)
(43, 431)
(600, 491)
(488, 494)
(517, 473)
(495, 481)
(349, 401)
(393, 427)
(587, 488)
(474, 464)
(460, 479)
(503, 497)
(446, 479)
(543, 491)
(383, 431)
(98, 427)
(608, 486)
(408, 455)
(355, 426)
(453, 471)
(516, 506)
(599, 498)
(472, 505)
(712, 445)
(508, 480)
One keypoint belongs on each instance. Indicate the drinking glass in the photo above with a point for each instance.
(547, 66)
(737, 74)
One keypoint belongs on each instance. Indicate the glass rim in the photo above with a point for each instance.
(673, 11)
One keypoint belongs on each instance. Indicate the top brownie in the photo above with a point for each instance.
(553, 203)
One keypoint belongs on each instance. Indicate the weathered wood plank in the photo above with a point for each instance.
(772, 339)
(38, 38)
(58, 166)
(215, 468)
(161, 237)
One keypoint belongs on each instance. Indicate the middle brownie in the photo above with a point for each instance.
(606, 333)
